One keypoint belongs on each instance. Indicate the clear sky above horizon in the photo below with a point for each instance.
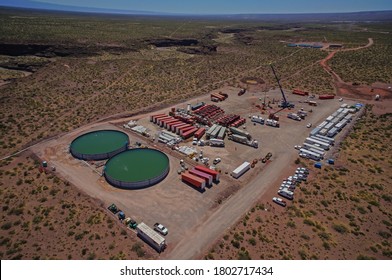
(219, 6)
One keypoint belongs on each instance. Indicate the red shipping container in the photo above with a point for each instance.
(326, 96)
(300, 92)
(211, 172)
(167, 124)
(205, 176)
(156, 118)
(164, 122)
(200, 132)
(193, 180)
(182, 127)
(174, 126)
(189, 133)
(159, 120)
(153, 117)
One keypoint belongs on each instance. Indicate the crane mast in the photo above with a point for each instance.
(285, 103)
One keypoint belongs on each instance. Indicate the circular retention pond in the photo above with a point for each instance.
(137, 168)
(99, 145)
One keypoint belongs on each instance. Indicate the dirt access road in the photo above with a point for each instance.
(324, 62)
(194, 245)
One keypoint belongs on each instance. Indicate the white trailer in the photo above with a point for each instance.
(151, 237)
(310, 154)
(315, 131)
(310, 146)
(332, 132)
(327, 139)
(293, 116)
(272, 123)
(330, 118)
(217, 142)
(349, 117)
(318, 138)
(313, 141)
(211, 129)
(324, 123)
(323, 131)
(316, 151)
(257, 119)
(240, 170)
(325, 142)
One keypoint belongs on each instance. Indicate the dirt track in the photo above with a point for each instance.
(192, 247)
(324, 62)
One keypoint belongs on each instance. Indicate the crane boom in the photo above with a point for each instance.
(285, 103)
(280, 87)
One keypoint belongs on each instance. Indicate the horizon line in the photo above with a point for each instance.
(154, 13)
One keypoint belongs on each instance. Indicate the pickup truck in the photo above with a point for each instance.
(161, 229)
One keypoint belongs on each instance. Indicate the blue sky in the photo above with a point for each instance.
(217, 6)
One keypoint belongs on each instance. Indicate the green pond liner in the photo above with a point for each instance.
(99, 145)
(137, 168)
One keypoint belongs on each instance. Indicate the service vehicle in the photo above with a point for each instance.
(161, 229)
(279, 201)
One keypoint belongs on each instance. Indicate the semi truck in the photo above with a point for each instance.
(237, 131)
(293, 116)
(216, 142)
(151, 237)
(243, 140)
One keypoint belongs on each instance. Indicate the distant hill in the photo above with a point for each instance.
(27, 4)
(355, 16)
(305, 17)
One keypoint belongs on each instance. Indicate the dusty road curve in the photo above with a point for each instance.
(192, 247)
(324, 62)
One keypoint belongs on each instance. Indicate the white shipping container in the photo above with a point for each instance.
(240, 170)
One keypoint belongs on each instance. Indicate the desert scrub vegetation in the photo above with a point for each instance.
(366, 66)
(342, 212)
(70, 92)
(45, 217)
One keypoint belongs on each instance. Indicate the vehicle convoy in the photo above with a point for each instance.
(161, 229)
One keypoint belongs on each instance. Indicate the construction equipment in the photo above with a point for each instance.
(121, 216)
(267, 157)
(285, 103)
(130, 223)
(113, 208)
